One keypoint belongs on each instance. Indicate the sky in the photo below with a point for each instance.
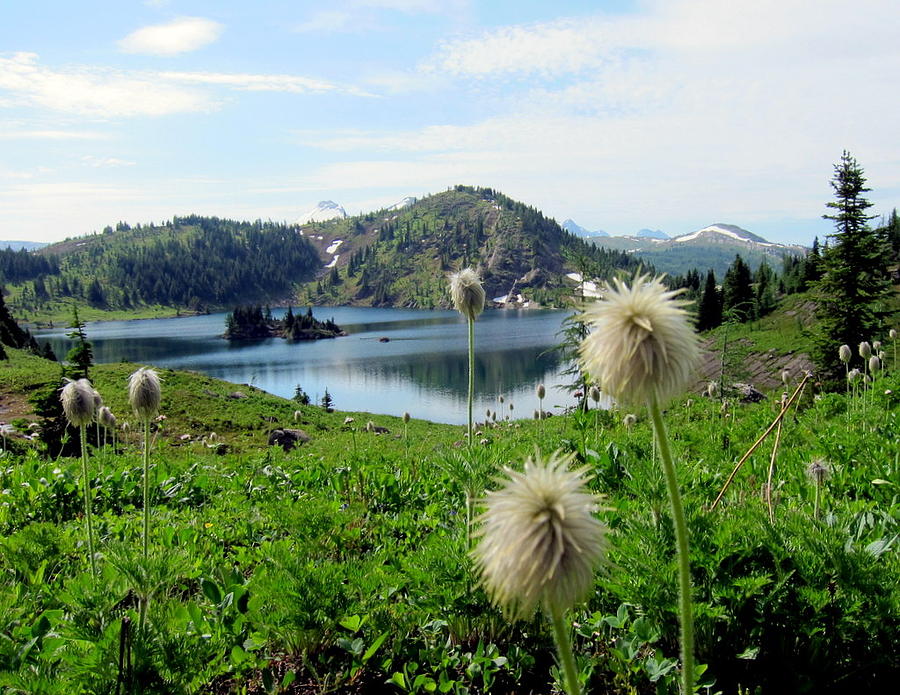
(620, 114)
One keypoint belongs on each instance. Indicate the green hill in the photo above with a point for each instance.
(402, 257)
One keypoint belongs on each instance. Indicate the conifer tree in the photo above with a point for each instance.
(851, 294)
(709, 310)
(81, 356)
(737, 290)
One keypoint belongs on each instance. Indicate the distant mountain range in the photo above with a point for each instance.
(573, 227)
(712, 247)
(19, 245)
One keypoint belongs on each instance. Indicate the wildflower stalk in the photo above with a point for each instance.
(87, 502)
(564, 651)
(816, 501)
(146, 533)
(471, 322)
(681, 546)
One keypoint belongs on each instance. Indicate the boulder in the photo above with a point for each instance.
(747, 393)
(287, 439)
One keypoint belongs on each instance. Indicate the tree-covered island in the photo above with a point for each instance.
(248, 322)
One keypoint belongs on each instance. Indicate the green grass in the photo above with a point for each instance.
(342, 565)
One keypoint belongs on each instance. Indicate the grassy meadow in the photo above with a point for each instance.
(342, 566)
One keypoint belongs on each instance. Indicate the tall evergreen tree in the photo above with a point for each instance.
(81, 356)
(737, 291)
(709, 310)
(764, 294)
(854, 286)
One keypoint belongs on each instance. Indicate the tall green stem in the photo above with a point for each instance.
(146, 538)
(681, 545)
(87, 502)
(471, 377)
(564, 650)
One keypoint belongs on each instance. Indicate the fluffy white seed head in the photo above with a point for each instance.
(78, 402)
(893, 334)
(876, 345)
(712, 389)
(785, 376)
(144, 393)
(629, 420)
(844, 353)
(541, 392)
(853, 375)
(594, 393)
(865, 350)
(106, 418)
(641, 344)
(539, 542)
(818, 470)
(874, 364)
(881, 355)
(467, 293)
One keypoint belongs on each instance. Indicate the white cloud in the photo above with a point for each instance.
(261, 83)
(181, 35)
(94, 92)
(49, 134)
(104, 162)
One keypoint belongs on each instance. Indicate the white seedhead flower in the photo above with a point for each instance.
(629, 420)
(539, 542)
(844, 353)
(865, 350)
(892, 334)
(467, 293)
(818, 470)
(712, 389)
(876, 345)
(144, 393)
(77, 399)
(853, 375)
(106, 418)
(785, 376)
(874, 364)
(594, 393)
(541, 392)
(641, 344)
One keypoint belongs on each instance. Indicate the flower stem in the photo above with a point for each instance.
(471, 377)
(564, 651)
(681, 544)
(87, 502)
(146, 534)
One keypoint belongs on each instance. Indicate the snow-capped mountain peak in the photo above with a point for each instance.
(572, 227)
(652, 234)
(405, 203)
(325, 210)
(731, 231)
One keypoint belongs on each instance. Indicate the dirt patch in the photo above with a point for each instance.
(14, 406)
(761, 370)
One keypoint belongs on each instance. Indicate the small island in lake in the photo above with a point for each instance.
(253, 323)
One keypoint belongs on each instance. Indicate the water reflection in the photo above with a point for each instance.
(422, 368)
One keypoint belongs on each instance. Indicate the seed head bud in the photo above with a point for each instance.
(844, 353)
(642, 345)
(874, 364)
(785, 377)
(144, 393)
(541, 392)
(881, 355)
(865, 350)
(594, 393)
(77, 399)
(536, 414)
(629, 420)
(853, 375)
(106, 418)
(405, 417)
(467, 293)
(876, 345)
(818, 470)
(893, 334)
(712, 389)
(539, 541)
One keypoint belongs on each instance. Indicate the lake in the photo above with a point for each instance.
(420, 369)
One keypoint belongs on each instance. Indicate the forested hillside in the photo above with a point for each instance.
(402, 257)
(191, 262)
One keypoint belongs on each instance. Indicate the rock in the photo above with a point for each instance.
(237, 395)
(287, 439)
(748, 394)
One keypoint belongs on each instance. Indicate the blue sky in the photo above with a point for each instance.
(669, 114)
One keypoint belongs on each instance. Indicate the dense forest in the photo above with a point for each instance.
(193, 262)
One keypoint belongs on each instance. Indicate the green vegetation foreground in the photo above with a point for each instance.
(342, 565)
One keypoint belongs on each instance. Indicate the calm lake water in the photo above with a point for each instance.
(422, 369)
